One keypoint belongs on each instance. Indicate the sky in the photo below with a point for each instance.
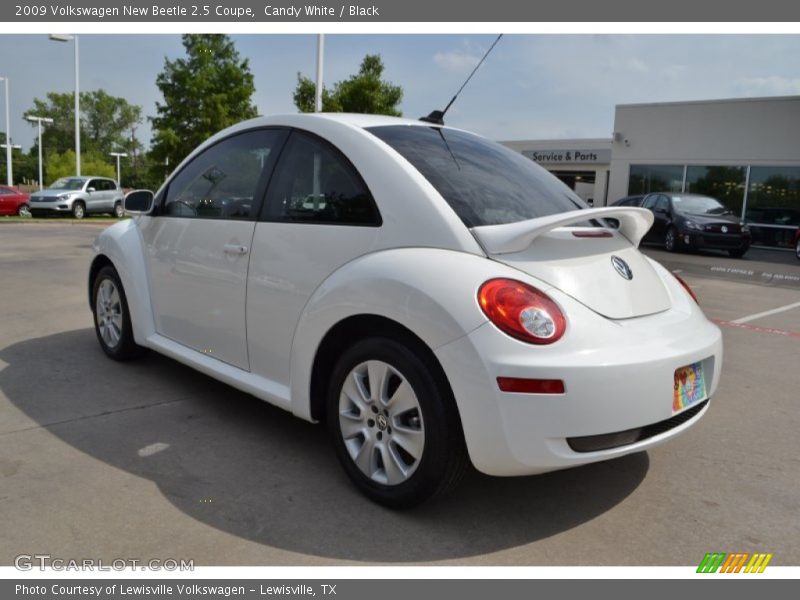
(530, 87)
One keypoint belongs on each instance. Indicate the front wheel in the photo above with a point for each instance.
(671, 240)
(797, 250)
(24, 210)
(394, 423)
(118, 210)
(78, 210)
(738, 253)
(112, 321)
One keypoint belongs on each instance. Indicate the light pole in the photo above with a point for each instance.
(67, 38)
(118, 155)
(39, 121)
(320, 58)
(9, 175)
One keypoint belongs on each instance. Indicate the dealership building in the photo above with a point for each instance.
(744, 152)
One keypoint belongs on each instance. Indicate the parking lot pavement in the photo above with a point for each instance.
(153, 460)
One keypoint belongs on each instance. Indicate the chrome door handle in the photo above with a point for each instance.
(234, 249)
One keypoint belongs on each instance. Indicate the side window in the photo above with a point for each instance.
(97, 184)
(662, 204)
(650, 201)
(224, 181)
(315, 183)
(109, 185)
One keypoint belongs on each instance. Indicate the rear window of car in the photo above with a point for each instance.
(483, 182)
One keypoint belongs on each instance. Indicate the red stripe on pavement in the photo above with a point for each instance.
(758, 329)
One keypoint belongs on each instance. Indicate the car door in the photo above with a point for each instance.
(319, 215)
(649, 203)
(94, 199)
(5, 201)
(662, 218)
(108, 187)
(197, 245)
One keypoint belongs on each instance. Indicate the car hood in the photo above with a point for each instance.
(52, 193)
(607, 274)
(705, 218)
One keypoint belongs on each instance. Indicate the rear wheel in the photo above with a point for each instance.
(394, 424)
(671, 240)
(738, 253)
(24, 210)
(118, 210)
(112, 322)
(797, 250)
(78, 210)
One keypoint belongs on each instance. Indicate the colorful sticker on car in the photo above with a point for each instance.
(690, 386)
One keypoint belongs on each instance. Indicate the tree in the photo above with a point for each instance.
(62, 164)
(23, 166)
(105, 121)
(207, 91)
(364, 92)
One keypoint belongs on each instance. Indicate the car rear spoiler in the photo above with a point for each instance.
(634, 222)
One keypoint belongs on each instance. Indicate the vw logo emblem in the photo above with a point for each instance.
(382, 421)
(622, 267)
(724, 229)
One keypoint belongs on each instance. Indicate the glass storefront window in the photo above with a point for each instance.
(773, 199)
(724, 183)
(643, 179)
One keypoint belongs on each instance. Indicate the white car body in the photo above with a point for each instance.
(250, 303)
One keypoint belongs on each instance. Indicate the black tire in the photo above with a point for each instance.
(23, 210)
(797, 250)
(78, 210)
(443, 459)
(671, 239)
(125, 348)
(118, 212)
(739, 253)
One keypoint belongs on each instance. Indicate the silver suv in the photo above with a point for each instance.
(78, 196)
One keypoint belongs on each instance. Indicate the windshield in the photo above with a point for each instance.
(483, 182)
(67, 183)
(699, 205)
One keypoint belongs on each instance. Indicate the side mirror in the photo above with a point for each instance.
(139, 202)
(90, 189)
(661, 211)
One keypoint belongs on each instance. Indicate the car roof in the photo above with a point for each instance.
(356, 119)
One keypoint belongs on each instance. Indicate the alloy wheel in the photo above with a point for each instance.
(109, 313)
(669, 240)
(381, 424)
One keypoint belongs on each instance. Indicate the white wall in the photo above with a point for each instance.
(754, 131)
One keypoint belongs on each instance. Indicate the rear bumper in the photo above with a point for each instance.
(618, 376)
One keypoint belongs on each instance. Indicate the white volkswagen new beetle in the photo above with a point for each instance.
(431, 295)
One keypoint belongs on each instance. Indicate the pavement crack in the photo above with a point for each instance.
(93, 416)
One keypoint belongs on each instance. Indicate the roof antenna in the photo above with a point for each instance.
(437, 116)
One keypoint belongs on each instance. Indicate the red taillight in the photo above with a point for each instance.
(686, 287)
(530, 386)
(522, 311)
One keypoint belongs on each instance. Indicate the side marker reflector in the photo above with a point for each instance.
(530, 386)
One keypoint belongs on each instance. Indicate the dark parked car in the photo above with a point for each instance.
(629, 201)
(693, 221)
(13, 202)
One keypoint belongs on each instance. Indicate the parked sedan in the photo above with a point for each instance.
(694, 221)
(434, 297)
(13, 202)
(78, 197)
